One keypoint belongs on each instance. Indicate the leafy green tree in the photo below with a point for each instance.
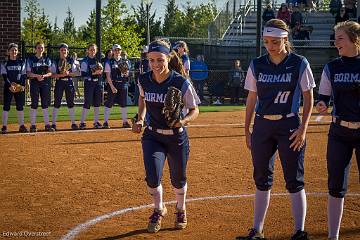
(88, 31)
(141, 22)
(115, 31)
(44, 27)
(172, 21)
(69, 23)
(29, 31)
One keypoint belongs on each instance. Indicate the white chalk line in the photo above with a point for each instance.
(83, 226)
(69, 131)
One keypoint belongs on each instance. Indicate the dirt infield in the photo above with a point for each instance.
(53, 182)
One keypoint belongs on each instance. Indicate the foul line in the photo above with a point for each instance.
(82, 227)
(69, 131)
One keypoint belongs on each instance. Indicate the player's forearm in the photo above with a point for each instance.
(108, 78)
(141, 109)
(250, 106)
(307, 108)
(191, 116)
(49, 74)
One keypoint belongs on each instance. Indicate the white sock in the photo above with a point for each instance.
(298, 201)
(157, 194)
(180, 195)
(335, 211)
(20, 115)
(54, 115)
(262, 199)
(46, 116)
(33, 116)
(106, 114)
(83, 115)
(124, 114)
(5, 115)
(96, 114)
(72, 115)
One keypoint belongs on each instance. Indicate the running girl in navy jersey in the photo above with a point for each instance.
(64, 69)
(159, 142)
(38, 70)
(341, 80)
(13, 72)
(91, 71)
(276, 82)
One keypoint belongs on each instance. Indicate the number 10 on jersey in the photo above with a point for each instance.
(282, 97)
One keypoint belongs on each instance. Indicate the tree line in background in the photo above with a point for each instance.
(118, 25)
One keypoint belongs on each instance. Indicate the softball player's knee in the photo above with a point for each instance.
(295, 187)
(263, 187)
(57, 103)
(108, 104)
(70, 104)
(44, 105)
(6, 107)
(34, 105)
(20, 108)
(152, 183)
(337, 193)
(178, 183)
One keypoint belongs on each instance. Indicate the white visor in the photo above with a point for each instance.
(274, 32)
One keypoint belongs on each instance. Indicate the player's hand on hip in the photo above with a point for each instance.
(137, 126)
(298, 137)
(321, 107)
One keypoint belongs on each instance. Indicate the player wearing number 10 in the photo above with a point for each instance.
(275, 82)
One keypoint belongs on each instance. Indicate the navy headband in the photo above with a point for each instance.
(11, 45)
(155, 47)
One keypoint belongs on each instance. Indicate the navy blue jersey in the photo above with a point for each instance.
(39, 66)
(55, 67)
(112, 66)
(279, 87)
(186, 61)
(341, 80)
(13, 71)
(87, 64)
(154, 95)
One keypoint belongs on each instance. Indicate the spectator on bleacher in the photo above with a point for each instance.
(296, 16)
(350, 8)
(300, 32)
(237, 77)
(268, 13)
(284, 14)
(341, 16)
(335, 6)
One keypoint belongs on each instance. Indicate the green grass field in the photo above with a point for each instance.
(63, 114)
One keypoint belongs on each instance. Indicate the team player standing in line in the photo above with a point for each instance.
(275, 82)
(13, 72)
(341, 80)
(63, 70)
(91, 71)
(117, 83)
(38, 70)
(159, 141)
(183, 51)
